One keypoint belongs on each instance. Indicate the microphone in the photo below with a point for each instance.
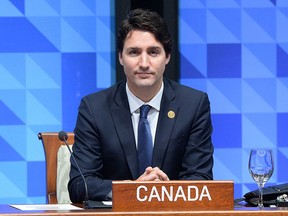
(88, 204)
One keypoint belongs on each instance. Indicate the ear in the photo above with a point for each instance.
(167, 59)
(120, 58)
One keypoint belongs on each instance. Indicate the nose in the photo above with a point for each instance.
(144, 61)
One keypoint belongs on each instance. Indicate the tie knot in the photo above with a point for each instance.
(144, 109)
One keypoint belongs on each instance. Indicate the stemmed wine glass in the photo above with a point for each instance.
(261, 167)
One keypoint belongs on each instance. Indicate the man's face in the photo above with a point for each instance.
(144, 60)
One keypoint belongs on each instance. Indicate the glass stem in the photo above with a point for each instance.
(260, 186)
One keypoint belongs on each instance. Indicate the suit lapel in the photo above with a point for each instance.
(165, 124)
(120, 113)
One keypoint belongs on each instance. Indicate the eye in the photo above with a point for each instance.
(133, 52)
(154, 52)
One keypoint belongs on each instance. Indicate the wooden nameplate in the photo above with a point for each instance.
(172, 195)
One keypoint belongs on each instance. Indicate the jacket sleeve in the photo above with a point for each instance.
(88, 154)
(198, 162)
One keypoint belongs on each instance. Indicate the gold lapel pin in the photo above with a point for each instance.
(171, 114)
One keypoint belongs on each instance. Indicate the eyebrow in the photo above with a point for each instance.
(152, 47)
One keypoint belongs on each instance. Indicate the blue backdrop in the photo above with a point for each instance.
(51, 54)
(54, 52)
(236, 50)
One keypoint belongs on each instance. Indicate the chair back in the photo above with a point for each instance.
(57, 161)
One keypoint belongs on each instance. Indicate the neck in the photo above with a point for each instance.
(146, 93)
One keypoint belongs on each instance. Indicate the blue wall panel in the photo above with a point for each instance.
(237, 52)
(52, 53)
(77, 80)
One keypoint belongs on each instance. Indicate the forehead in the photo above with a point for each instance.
(138, 38)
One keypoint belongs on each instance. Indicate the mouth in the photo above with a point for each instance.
(143, 74)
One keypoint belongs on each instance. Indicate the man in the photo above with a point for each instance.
(106, 144)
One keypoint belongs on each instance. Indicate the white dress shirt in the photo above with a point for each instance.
(135, 104)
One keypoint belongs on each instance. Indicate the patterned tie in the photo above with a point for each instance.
(144, 140)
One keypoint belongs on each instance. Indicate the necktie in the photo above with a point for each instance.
(144, 140)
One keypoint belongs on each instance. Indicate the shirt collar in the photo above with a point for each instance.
(135, 103)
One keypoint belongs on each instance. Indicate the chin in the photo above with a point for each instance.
(145, 83)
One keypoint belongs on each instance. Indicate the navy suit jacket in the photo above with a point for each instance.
(105, 146)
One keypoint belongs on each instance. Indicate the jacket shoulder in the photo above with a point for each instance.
(183, 90)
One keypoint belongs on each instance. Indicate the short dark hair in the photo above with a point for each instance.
(145, 20)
